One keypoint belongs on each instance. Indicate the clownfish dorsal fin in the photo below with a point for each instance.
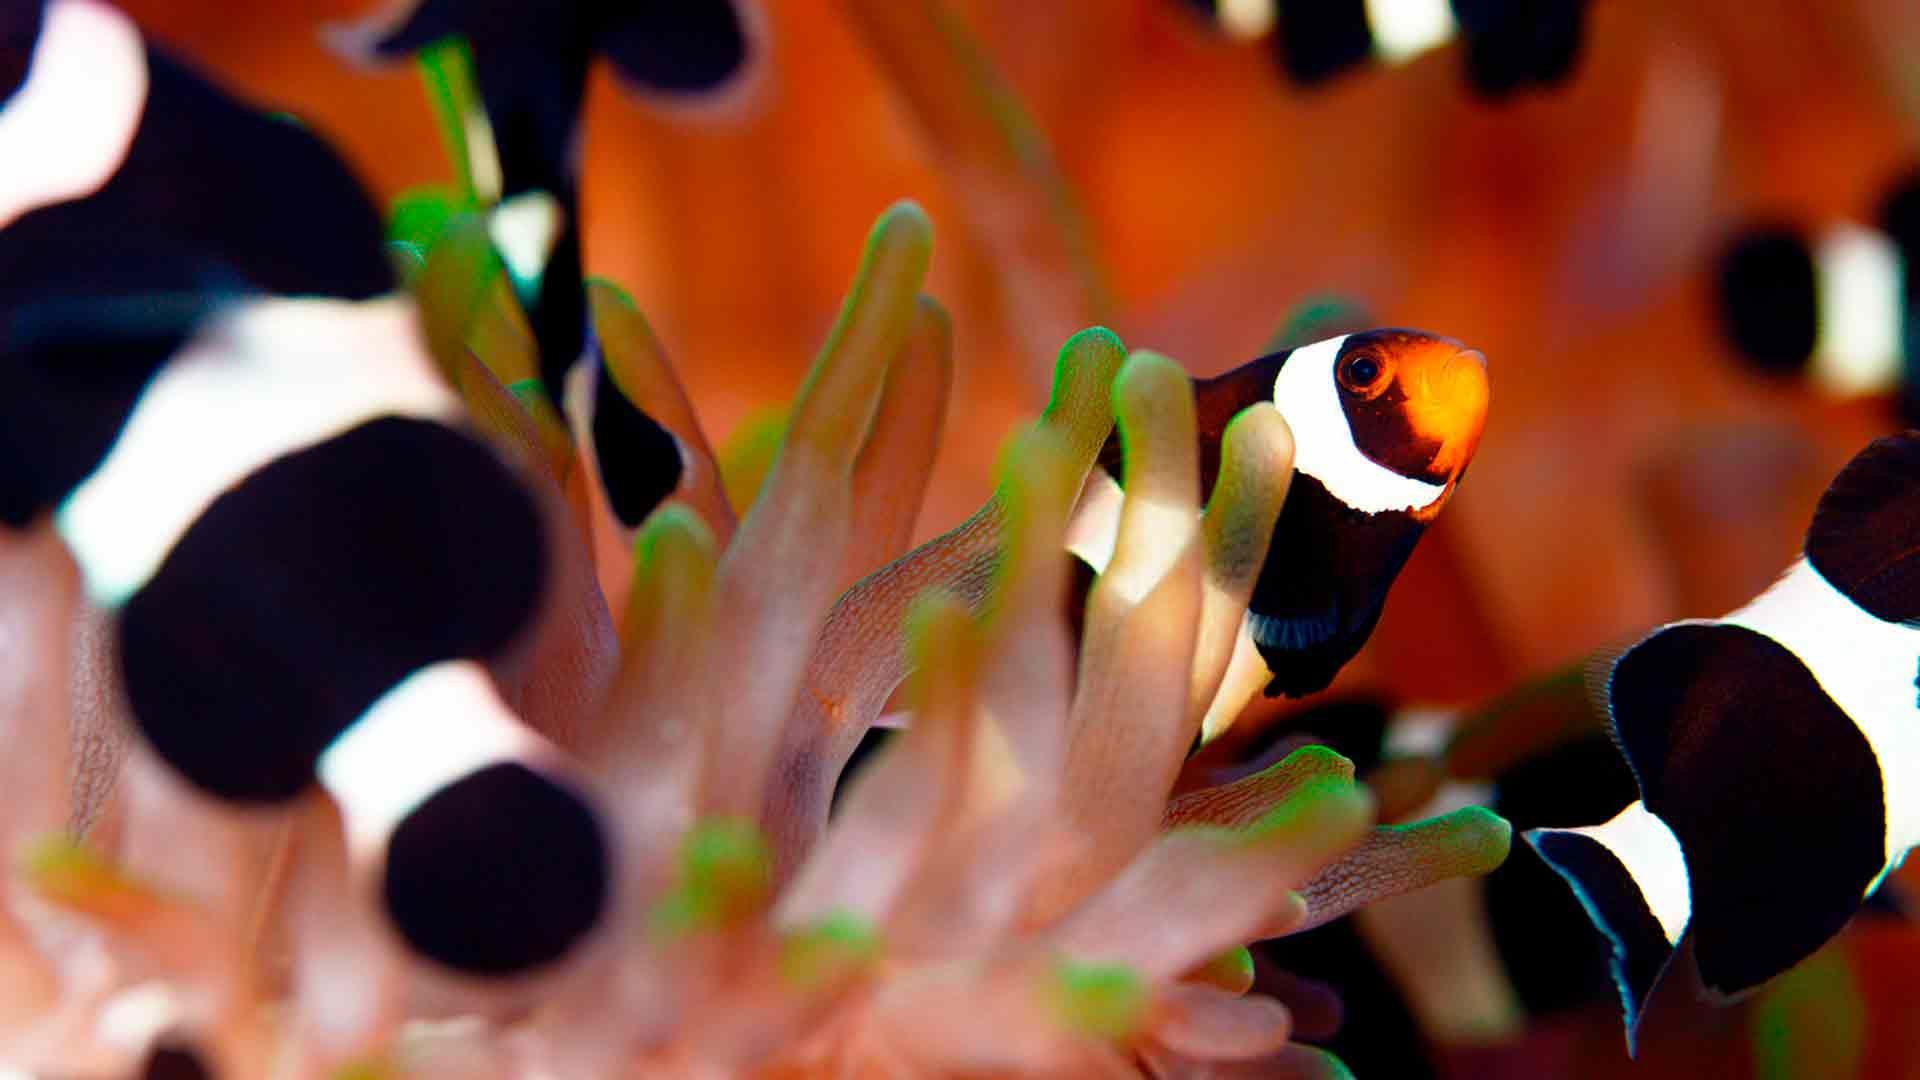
(1865, 536)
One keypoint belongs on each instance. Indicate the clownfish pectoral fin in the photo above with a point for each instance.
(1865, 536)
(1773, 791)
(1630, 876)
(1305, 652)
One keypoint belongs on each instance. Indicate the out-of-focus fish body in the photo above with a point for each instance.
(232, 421)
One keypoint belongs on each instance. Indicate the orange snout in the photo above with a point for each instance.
(1447, 391)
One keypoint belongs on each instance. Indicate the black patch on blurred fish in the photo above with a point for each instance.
(20, 22)
(688, 47)
(1317, 41)
(1514, 44)
(498, 872)
(1900, 218)
(172, 1060)
(212, 202)
(530, 63)
(1771, 789)
(75, 371)
(639, 460)
(207, 186)
(1768, 299)
(1865, 536)
(316, 584)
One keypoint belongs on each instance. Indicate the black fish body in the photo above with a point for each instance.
(1777, 751)
(1309, 613)
(232, 420)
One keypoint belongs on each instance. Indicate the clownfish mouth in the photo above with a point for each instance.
(1449, 406)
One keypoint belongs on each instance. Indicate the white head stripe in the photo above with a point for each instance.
(1403, 29)
(67, 128)
(1867, 666)
(1857, 345)
(267, 378)
(441, 723)
(1245, 20)
(1323, 447)
(1651, 853)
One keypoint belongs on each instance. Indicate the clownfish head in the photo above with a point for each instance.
(1386, 419)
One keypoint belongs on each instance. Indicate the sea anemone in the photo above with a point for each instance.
(1008, 887)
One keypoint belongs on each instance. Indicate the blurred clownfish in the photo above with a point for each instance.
(1837, 306)
(1775, 750)
(529, 66)
(1384, 422)
(230, 416)
(1508, 45)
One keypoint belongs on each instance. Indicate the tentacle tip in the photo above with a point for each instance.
(674, 518)
(1231, 970)
(1317, 760)
(726, 876)
(1094, 338)
(828, 950)
(598, 287)
(673, 526)
(1324, 807)
(1484, 836)
(1148, 378)
(1100, 1001)
(932, 310)
(906, 221)
(1259, 431)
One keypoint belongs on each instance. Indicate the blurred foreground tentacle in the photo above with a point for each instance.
(1256, 470)
(776, 579)
(858, 658)
(1129, 722)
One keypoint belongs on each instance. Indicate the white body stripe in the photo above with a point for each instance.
(1651, 853)
(1420, 731)
(1306, 394)
(439, 724)
(1867, 666)
(67, 127)
(264, 379)
(1403, 29)
(1245, 20)
(1858, 292)
(524, 230)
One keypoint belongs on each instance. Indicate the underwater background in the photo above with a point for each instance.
(1130, 164)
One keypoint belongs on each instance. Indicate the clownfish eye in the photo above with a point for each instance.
(1359, 373)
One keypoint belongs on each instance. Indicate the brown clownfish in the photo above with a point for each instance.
(1384, 423)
